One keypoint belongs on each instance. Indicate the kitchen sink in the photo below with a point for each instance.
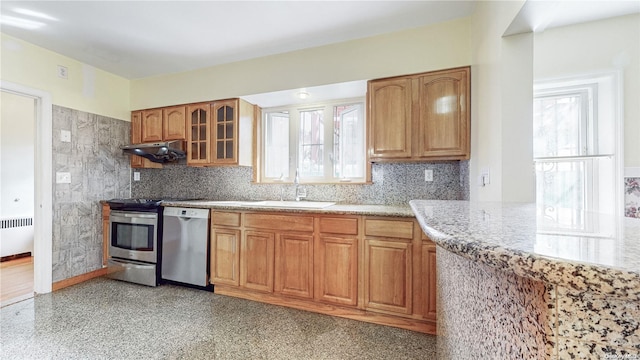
(268, 203)
(293, 204)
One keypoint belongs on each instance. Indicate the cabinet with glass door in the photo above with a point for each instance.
(232, 129)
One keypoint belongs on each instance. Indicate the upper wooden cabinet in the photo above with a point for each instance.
(163, 124)
(136, 138)
(420, 117)
(232, 124)
(216, 133)
(151, 125)
(390, 120)
(220, 133)
(199, 134)
(443, 121)
(174, 123)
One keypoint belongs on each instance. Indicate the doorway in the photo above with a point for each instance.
(17, 173)
(43, 184)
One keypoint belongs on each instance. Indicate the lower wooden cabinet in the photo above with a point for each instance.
(336, 269)
(294, 265)
(388, 276)
(428, 276)
(225, 256)
(106, 211)
(388, 259)
(257, 261)
(375, 269)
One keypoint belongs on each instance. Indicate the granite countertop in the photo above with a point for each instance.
(603, 256)
(338, 209)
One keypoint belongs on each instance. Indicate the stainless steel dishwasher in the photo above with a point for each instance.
(184, 245)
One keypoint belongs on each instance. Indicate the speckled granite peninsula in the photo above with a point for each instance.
(510, 286)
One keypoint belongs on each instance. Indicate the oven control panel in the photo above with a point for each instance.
(186, 212)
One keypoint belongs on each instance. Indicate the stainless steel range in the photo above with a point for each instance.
(135, 240)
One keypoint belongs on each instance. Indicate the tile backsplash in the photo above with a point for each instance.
(632, 197)
(98, 171)
(393, 184)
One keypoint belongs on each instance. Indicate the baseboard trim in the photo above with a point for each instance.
(78, 279)
(15, 256)
(419, 325)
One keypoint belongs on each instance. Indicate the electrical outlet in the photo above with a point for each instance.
(63, 178)
(65, 135)
(136, 176)
(63, 72)
(428, 175)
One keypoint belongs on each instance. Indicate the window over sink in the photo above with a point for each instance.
(325, 142)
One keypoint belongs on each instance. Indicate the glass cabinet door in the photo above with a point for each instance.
(198, 140)
(225, 113)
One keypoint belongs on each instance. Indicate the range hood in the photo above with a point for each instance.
(161, 152)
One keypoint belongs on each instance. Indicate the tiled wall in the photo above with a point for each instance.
(393, 184)
(487, 313)
(632, 197)
(99, 171)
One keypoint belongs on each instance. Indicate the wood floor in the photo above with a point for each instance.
(16, 280)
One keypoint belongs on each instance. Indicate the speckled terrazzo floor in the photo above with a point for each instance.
(109, 319)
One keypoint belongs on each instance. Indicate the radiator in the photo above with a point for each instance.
(16, 236)
(17, 222)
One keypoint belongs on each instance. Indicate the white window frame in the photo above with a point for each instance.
(605, 89)
(294, 142)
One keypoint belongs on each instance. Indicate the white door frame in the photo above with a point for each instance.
(43, 207)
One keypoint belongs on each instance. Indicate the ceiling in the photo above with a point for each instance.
(138, 39)
(539, 15)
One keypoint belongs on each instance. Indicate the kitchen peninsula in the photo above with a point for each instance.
(511, 286)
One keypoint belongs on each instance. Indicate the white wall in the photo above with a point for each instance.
(86, 89)
(17, 134)
(433, 47)
(500, 85)
(594, 47)
(518, 170)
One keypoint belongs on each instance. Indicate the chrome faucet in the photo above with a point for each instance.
(300, 191)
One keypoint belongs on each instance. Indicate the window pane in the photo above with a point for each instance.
(561, 191)
(348, 141)
(276, 148)
(559, 125)
(311, 156)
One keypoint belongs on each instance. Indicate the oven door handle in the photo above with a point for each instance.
(146, 216)
(130, 263)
